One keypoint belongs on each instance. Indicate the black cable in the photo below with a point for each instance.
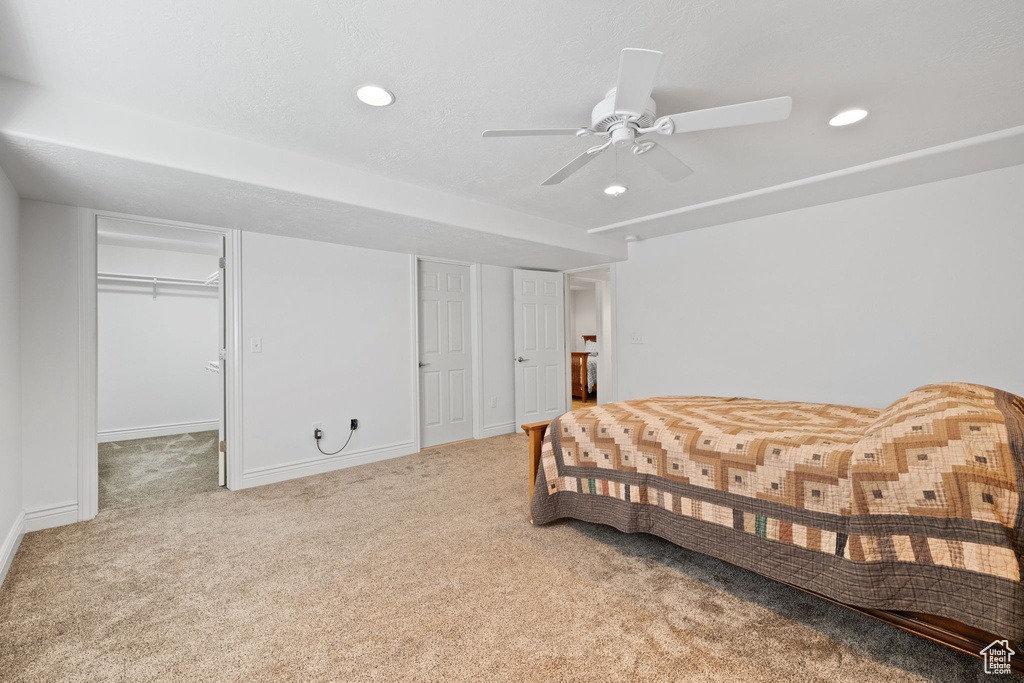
(350, 432)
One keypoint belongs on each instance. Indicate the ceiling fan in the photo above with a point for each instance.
(628, 112)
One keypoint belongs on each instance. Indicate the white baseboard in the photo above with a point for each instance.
(497, 430)
(305, 468)
(158, 430)
(50, 516)
(10, 545)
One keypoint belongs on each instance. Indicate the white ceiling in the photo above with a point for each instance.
(281, 75)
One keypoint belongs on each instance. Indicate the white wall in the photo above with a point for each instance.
(336, 329)
(49, 362)
(11, 505)
(856, 302)
(152, 350)
(497, 351)
(584, 306)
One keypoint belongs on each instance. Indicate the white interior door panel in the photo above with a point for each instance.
(539, 320)
(446, 361)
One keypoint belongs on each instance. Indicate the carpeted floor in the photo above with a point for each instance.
(417, 568)
(157, 471)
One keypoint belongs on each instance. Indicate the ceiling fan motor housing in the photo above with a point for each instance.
(604, 117)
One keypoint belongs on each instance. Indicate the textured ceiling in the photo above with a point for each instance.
(282, 74)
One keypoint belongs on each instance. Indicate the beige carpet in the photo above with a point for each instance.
(418, 568)
(158, 470)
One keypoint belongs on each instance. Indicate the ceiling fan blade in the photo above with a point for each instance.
(637, 70)
(515, 132)
(573, 166)
(666, 163)
(761, 111)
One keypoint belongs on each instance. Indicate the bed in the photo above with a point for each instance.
(584, 369)
(910, 514)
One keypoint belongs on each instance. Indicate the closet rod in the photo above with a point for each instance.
(151, 280)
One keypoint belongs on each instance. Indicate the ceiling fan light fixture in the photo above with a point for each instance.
(628, 111)
(845, 118)
(375, 95)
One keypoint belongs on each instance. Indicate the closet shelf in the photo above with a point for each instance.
(154, 282)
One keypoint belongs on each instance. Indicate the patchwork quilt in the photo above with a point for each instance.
(916, 507)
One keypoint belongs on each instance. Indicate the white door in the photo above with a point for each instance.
(539, 324)
(222, 456)
(446, 358)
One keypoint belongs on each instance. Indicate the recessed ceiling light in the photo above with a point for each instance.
(845, 118)
(615, 190)
(375, 96)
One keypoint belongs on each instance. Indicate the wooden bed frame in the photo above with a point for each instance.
(579, 375)
(579, 372)
(942, 630)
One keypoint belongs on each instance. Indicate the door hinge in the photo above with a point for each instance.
(221, 261)
(223, 354)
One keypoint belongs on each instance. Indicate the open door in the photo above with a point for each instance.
(222, 355)
(539, 325)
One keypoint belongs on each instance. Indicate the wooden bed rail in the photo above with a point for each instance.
(953, 634)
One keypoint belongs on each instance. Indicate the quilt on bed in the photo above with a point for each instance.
(915, 507)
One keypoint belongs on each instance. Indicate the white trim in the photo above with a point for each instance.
(602, 294)
(88, 350)
(233, 363)
(610, 349)
(570, 315)
(88, 466)
(50, 516)
(583, 269)
(476, 298)
(158, 430)
(414, 308)
(10, 545)
(956, 145)
(607, 349)
(305, 468)
(498, 430)
(132, 218)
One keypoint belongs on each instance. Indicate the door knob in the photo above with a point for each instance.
(423, 365)
(521, 359)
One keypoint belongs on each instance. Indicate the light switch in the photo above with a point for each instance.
(636, 338)
(256, 345)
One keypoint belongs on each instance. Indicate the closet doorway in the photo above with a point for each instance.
(161, 350)
(588, 326)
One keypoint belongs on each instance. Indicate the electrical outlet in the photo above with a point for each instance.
(317, 428)
(636, 338)
(494, 402)
(354, 424)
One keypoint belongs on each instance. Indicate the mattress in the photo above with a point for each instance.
(915, 507)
